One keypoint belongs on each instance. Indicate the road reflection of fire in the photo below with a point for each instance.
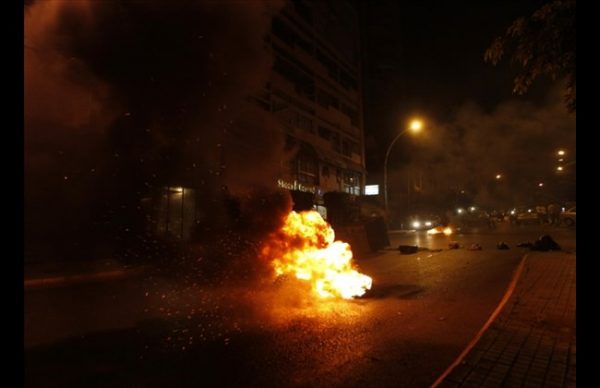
(304, 247)
(441, 229)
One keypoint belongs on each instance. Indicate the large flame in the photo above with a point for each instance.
(305, 248)
(441, 229)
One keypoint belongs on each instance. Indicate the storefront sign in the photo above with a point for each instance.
(295, 186)
(372, 190)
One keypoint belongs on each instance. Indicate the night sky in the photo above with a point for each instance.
(426, 59)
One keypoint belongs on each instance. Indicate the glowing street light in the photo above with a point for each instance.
(498, 176)
(561, 152)
(414, 127)
(541, 184)
(559, 168)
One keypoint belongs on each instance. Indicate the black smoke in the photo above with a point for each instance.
(123, 98)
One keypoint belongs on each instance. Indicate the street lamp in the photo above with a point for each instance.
(415, 127)
(498, 176)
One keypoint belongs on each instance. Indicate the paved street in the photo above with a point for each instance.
(149, 331)
(486, 237)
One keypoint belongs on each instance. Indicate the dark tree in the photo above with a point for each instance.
(542, 44)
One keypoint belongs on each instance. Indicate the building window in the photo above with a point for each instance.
(304, 85)
(347, 81)
(349, 148)
(326, 99)
(351, 113)
(356, 149)
(335, 142)
(300, 121)
(351, 182)
(332, 68)
(324, 133)
(346, 148)
(307, 170)
(281, 30)
(175, 213)
(304, 11)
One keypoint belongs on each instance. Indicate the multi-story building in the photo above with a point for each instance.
(315, 92)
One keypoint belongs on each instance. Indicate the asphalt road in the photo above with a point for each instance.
(486, 237)
(422, 311)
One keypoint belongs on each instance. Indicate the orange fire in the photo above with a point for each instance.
(305, 248)
(440, 229)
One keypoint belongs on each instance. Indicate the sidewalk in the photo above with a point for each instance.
(532, 343)
(67, 273)
(67, 300)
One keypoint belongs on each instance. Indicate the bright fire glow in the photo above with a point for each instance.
(440, 229)
(305, 248)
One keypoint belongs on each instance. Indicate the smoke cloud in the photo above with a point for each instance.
(125, 97)
(516, 139)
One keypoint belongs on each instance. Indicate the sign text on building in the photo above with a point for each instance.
(295, 186)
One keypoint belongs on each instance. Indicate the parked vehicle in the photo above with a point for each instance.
(523, 216)
(568, 217)
(476, 218)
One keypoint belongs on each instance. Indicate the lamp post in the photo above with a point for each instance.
(415, 127)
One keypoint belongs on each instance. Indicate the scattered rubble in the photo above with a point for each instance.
(502, 245)
(408, 249)
(453, 245)
(545, 243)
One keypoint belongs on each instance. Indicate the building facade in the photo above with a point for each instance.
(315, 91)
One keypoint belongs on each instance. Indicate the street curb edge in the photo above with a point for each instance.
(488, 323)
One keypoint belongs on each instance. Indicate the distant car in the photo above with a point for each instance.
(423, 222)
(569, 217)
(528, 216)
(475, 218)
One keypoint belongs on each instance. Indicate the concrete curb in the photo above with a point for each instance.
(67, 280)
(491, 319)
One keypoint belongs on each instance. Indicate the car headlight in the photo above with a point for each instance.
(416, 224)
(428, 223)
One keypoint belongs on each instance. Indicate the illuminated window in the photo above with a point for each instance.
(175, 215)
(352, 182)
